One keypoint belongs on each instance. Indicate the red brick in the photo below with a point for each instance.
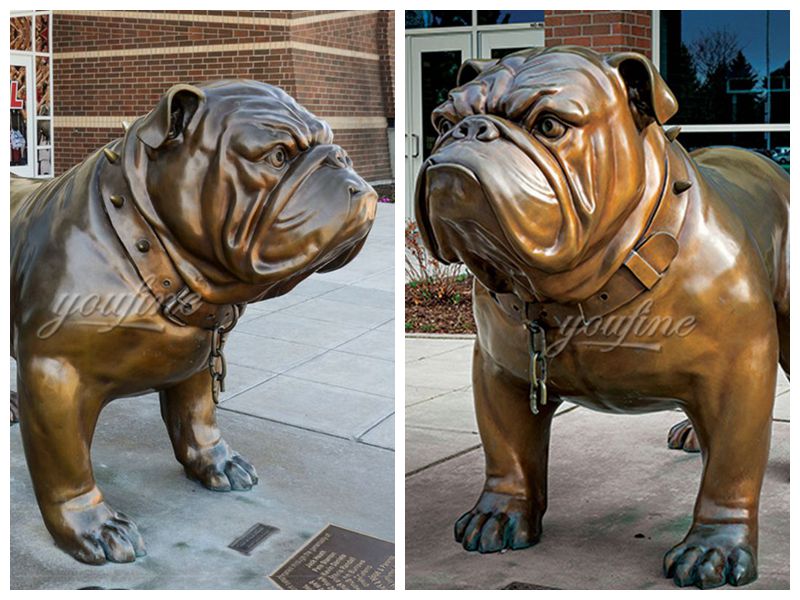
(577, 19)
(568, 31)
(609, 40)
(596, 29)
(326, 84)
(578, 41)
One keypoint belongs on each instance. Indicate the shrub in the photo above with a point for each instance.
(429, 281)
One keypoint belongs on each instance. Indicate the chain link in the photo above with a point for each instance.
(537, 351)
(217, 366)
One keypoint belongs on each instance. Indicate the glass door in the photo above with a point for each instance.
(496, 44)
(432, 63)
(21, 95)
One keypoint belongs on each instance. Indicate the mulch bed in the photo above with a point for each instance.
(385, 191)
(435, 316)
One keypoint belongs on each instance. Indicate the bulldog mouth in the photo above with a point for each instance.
(462, 226)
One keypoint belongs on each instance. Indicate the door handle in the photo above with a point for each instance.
(415, 145)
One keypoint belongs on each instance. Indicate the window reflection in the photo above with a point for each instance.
(439, 73)
(774, 145)
(717, 64)
(426, 19)
(502, 17)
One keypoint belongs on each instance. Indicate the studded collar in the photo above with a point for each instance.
(145, 250)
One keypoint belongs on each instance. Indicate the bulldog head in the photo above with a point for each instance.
(541, 159)
(247, 188)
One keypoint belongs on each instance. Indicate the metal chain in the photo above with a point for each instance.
(217, 366)
(537, 349)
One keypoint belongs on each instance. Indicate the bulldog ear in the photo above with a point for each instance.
(650, 97)
(173, 113)
(473, 67)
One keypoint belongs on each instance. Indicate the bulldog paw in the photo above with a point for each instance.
(682, 437)
(221, 469)
(497, 522)
(96, 534)
(711, 556)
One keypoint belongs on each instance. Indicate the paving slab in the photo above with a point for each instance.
(321, 437)
(381, 434)
(315, 406)
(266, 354)
(345, 370)
(611, 478)
(378, 343)
(453, 411)
(362, 295)
(418, 348)
(426, 446)
(379, 282)
(346, 313)
(297, 328)
(306, 481)
(420, 393)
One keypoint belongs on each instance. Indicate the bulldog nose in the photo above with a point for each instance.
(337, 157)
(476, 128)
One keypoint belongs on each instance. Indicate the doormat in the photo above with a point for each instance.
(339, 559)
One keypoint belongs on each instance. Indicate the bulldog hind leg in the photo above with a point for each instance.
(509, 512)
(733, 424)
(683, 437)
(189, 413)
(58, 414)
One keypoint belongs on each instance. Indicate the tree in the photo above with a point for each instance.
(714, 50)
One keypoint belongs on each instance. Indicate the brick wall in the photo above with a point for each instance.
(602, 30)
(110, 66)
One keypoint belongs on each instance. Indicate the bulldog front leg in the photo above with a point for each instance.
(509, 512)
(188, 411)
(58, 414)
(733, 425)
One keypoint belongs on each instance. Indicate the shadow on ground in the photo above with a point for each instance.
(618, 498)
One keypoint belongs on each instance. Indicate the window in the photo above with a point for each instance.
(730, 73)
(430, 19)
(31, 113)
(503, 17)
(427, 19)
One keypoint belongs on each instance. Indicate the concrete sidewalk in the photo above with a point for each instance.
(618, 498)
(309, 401)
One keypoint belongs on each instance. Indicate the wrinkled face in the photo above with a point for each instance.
(537, 158)
(250, 182)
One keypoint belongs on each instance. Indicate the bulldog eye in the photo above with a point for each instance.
(551, 127)
(278, 157)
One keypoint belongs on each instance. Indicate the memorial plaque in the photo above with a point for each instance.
(251, 538)
(339, 559)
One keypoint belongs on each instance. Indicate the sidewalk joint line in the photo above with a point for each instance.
(443, 460)
(300, 427)
(439, 395)
(374, 425)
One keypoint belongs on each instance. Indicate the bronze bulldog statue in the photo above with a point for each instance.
(553, 181)
(128, 270)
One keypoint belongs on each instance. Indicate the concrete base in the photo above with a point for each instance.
(306, 481)
(309, 401)
(612, 479)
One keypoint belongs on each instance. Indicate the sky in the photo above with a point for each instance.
(750, 27)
